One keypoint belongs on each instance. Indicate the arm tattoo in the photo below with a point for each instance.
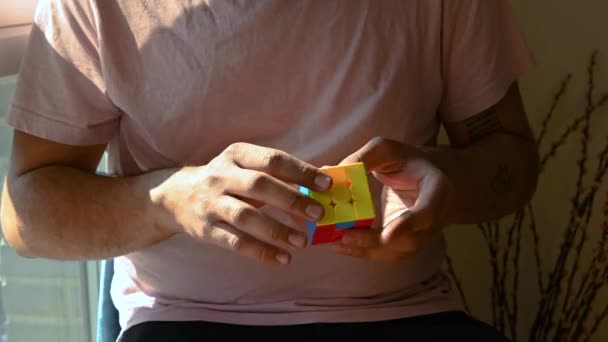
(482, 124)
(502, 180)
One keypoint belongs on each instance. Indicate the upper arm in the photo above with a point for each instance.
(483, 54)
(30, 153)
(507, 116)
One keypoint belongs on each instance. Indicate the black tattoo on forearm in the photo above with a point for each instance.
(482, 124)
(502, 180)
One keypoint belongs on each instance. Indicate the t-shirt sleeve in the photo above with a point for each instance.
(60, 93)
(483, 53)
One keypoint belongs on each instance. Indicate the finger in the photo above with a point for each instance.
(397, 227)
(431, 202)
(379, 154)
(226, 236)
(280, 165)
(262, 187)
(250, 220)
(383, 253)
(256, 204)
(426, 211)
(361, 238)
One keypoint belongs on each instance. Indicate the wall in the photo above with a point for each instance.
(561, 34)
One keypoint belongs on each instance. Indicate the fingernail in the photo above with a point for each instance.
(283, 258)
(314, 211)
(297, 240)
(323, 181)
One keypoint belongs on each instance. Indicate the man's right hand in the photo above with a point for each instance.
(218, 203)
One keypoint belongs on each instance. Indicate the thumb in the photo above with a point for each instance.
(407, 222)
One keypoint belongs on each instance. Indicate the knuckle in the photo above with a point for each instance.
(274, 160)
(378, 140)
(242, 215)
(294, 200)
(308, 172)
(236, 243)
(277, 234)
(213, 181)
(263, 253)
(259, 183)
(233, 150)
(208, 227)
(209, 232)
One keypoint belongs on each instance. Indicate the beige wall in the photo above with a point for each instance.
(561, 34)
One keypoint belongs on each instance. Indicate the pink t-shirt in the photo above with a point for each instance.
(169, 83)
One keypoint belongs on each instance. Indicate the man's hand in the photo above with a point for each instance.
(490, 170)
(414, 197)
(218, 203)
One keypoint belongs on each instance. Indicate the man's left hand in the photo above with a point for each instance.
(414, 197)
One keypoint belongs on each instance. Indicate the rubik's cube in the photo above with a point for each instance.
(348, 204)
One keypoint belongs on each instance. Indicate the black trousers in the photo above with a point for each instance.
(446, 326)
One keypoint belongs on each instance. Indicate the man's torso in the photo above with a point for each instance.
(316, 79)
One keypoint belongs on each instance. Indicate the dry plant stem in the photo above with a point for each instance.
(505, 314)
(590, 297)
(458, 283)
(553, 287)
(515, 286)
(556, 99)
(487, 234)
(566, 318)
(603, 243)
(582, 170)
(588, 202)
(596, 324)
(599, 270)
(596, 276)
(593, 280)
(536, 239)
(508, 309)
(569, 130)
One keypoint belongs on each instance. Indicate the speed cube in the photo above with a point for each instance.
(348, 204)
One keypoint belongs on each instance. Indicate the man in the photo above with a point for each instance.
(213, 112)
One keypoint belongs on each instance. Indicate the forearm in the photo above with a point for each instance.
(64, 213)
(491, 178)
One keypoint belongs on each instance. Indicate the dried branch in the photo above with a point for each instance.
(553, 287)
(536, 240)
(515, 286)
(582, 171)
(456, 279)
(556, 99)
